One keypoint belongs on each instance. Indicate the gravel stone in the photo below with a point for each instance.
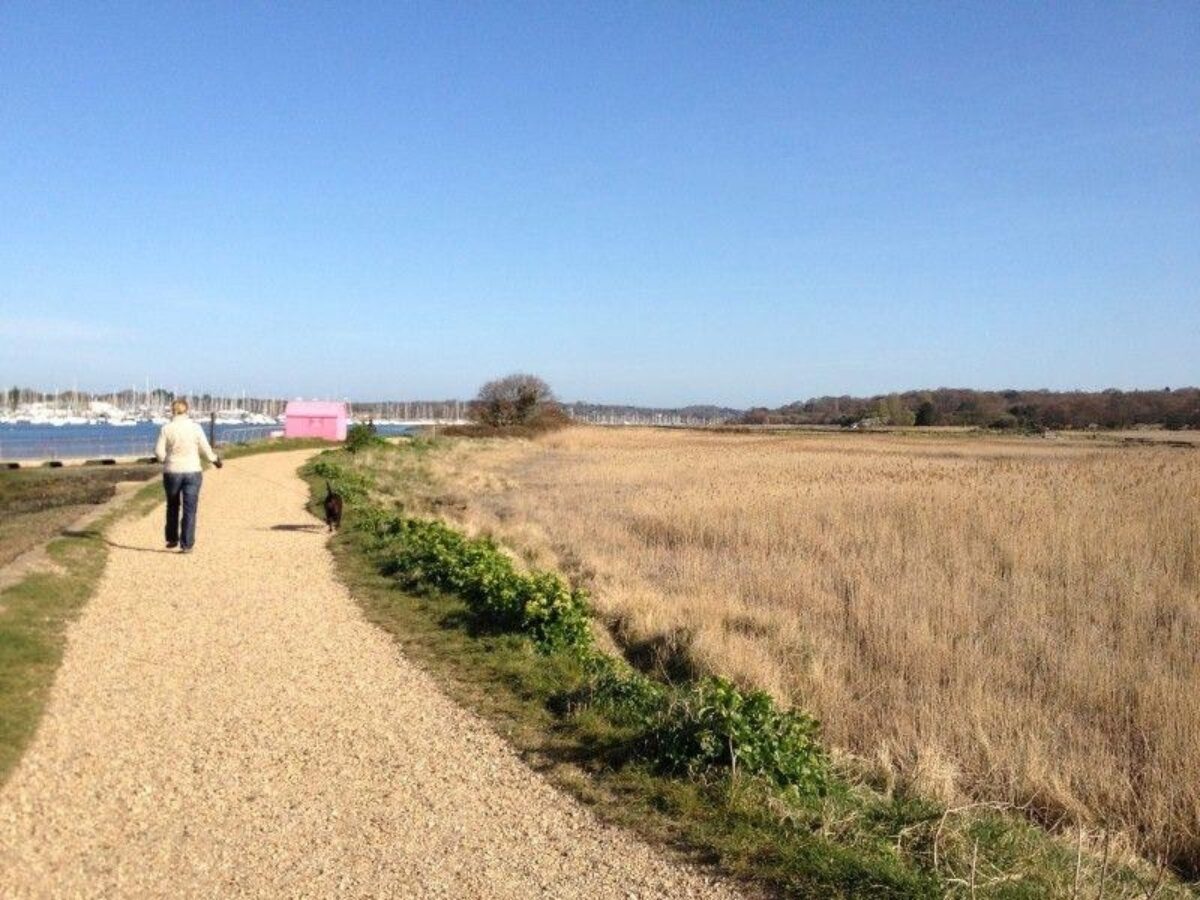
(227, 724)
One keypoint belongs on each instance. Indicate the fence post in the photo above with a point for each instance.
(212, 429)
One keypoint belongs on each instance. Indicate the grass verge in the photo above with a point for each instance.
(848, 840)
(34, 615)
(36, 504)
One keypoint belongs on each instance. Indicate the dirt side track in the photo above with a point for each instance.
(227, 724)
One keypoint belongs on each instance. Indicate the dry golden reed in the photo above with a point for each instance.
(1015, 620)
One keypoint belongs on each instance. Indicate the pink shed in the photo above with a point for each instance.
(316, 418)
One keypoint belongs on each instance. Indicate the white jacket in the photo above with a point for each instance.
(180, 443)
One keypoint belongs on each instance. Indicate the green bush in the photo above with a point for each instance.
(713, 725)
(555, 614)
(377, 523)
(353, 486)
(626, 695)
(361, 436)
(709, 725)
(428, 554)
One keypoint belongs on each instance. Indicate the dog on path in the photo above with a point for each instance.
(333, 508)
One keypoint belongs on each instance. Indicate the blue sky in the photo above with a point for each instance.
(740, 203)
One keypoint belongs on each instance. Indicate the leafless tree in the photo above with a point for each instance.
(517, 399)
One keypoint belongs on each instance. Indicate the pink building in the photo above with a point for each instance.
(316, 418)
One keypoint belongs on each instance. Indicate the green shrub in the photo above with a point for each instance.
(626, 695)
(352, 485)
(378, 524)
(555, 614)
(713, 725)
(708, 726)
(429, 554)
(361, 436)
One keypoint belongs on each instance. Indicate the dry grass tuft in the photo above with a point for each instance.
(1002, 619)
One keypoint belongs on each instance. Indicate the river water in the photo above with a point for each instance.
(24, 441)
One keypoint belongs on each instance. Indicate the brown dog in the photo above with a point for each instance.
(333, 508)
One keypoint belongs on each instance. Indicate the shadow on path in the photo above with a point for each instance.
(92, 533)
(307, 526)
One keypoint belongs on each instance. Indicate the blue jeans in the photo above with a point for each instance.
(185, 487)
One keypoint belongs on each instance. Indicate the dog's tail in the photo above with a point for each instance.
(328, 488)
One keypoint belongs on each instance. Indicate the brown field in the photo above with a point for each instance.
(1014, 620)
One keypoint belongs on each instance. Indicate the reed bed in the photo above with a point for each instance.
(1006, 620)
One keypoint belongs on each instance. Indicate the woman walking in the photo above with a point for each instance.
(180, 443)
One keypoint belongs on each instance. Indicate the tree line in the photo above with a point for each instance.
(1010, 409)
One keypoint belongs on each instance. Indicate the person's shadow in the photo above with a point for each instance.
(92, 533)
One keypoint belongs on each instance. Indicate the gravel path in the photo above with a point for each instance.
(227, 724)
